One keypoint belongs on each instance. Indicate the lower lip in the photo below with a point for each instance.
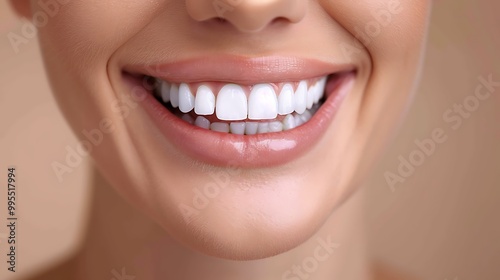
(248, 151)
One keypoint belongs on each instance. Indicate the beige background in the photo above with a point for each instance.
(441, 223)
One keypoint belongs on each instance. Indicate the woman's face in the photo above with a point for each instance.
(258, 68)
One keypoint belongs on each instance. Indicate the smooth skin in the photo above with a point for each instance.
(260, 213)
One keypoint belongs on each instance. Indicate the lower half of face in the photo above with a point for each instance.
(237, 125)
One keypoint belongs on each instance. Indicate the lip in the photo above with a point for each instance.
(248, 151)
(239, 70)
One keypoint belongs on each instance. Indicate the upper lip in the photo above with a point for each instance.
(240, 70)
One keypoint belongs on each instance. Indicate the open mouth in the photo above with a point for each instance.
(241, 109)
(241, 112)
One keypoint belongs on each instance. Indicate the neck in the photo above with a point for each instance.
(123, 244)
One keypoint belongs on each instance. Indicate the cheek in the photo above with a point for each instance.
(78, 42)
(87, 32)
(385, 28)
(392, 33)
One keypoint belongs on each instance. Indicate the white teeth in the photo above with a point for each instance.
(251, 128)
(320, 89)
(186, 99)
(237, 128)
(288, 122)
(205, 101)
(275, 126)
(165, 92)
(286, 100)
(202, 122)
(231, 103)
(301, 97)
(174, 96)
(298, 120)
(262, 103)
(220, 127)
(315, 92)
(302, 118)
(310, 96)
(306, 116)
(263, 127)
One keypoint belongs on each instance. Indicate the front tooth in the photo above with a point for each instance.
(237, 128)
(275, 126)
(288, 122)
(262, 103)
(220, 127)
(251, 128)
(231, 103)
(165, 92)
(263, 127)
(285, 100)
(301, 97)
(202, 122)
(204, 103)
(186, 98)
(174, 96)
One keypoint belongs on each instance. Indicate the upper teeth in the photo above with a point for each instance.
(232, 104)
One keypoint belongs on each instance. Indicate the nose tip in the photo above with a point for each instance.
(248, 15)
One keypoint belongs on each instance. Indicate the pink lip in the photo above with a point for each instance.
(240, 70)
(252, 151)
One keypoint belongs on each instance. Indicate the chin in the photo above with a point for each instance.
(246, 216)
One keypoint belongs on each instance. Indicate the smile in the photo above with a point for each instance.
(239, 109)
(271, 114)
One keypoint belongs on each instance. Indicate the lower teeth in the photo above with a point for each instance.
(290, 121)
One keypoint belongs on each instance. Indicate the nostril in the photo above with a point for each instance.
(280, 20)
(217, 21)
(221, 20)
